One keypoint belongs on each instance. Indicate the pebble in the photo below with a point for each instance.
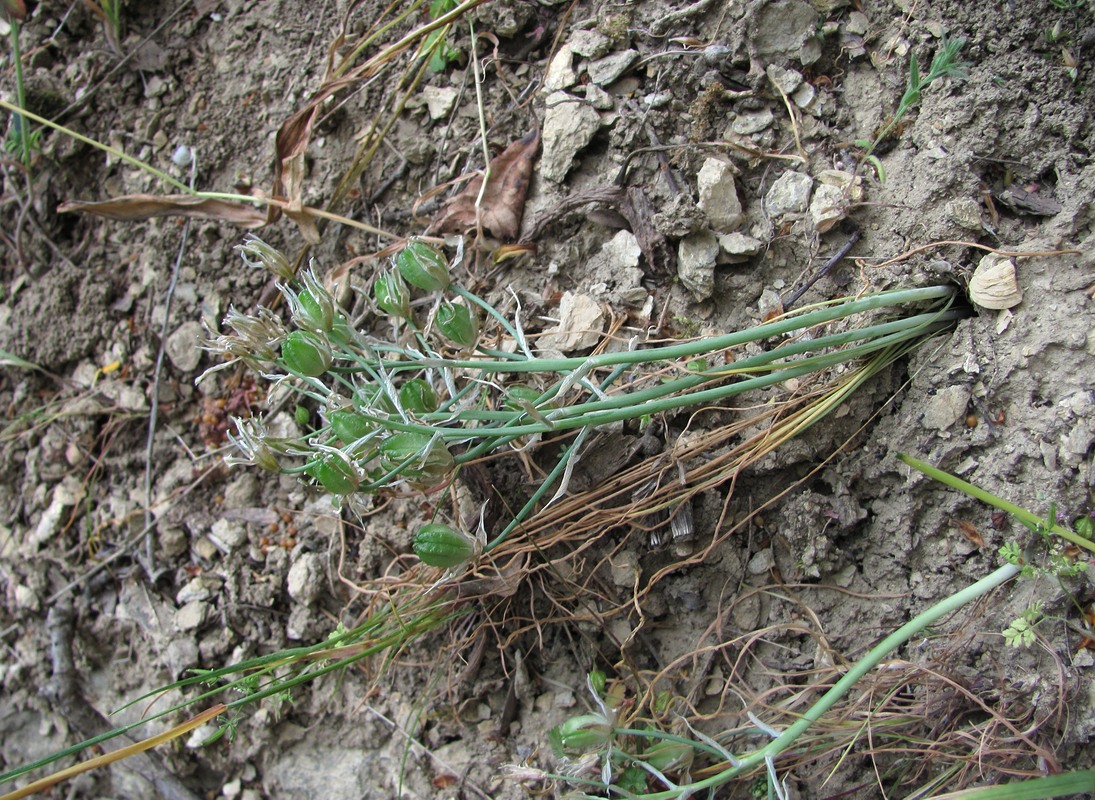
(588, 44)
(786, 79)
(624, 569)
(786, 28)
(229, 533)
(696, 256)
(181, 655)
(719, 196)
(739, 246)
(828, 206)
(581, 322)
(753, 122)
(762, 562)
(197, 589)
(966, 213)
(182, 346)
(946, 407)
(569, 125)
(606, 70)
(560, 73)
(192, 616)
(305, 578)
(790, 194)
(66, 494)
(439, 100)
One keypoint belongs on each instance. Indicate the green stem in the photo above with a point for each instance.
(850, 678)
(547, 483)
(1026, 517)
(20, 96)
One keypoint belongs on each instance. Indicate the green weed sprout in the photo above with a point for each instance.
(944, 63)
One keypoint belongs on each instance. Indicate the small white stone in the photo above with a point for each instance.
(753, 122)
(605, 70)
(719, 196)
(790, 194)
(786, 79)
(229, 533)
(192, 616)
(439, 100)
(588, 44)
(966, 213)
(183, 346)
(569, 125)
(739, 245)
(581, 322)
(762, 562)
(305, 579)
(560, 72)
(946, 408)
(828, 206)
(696, 256)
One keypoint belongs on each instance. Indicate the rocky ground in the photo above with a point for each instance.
(695, 164)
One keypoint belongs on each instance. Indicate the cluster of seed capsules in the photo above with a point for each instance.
(380, 428)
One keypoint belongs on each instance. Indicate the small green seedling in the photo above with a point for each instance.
(944, 63)
(1020, 633)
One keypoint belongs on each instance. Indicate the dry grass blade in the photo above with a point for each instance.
(145, 206)
(117, 755)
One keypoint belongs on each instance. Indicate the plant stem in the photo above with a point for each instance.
(21, 125)
(1024, 516)
(850, 678)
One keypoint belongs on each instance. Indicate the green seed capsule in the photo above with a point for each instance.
(349, 426)
(306, 353)
(423, 266)
(457, 324)
(439, 545)
(519, 396)
(582, 734)
(313, 314)
(668, 756)
(417, 396)
(421, 462)
(335, 474)
(392, 295)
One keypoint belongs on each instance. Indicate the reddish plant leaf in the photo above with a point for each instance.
(145, 206)
(503, 201)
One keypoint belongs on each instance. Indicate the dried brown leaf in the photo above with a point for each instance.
(503, 201)
(969, 530)
(145, 206)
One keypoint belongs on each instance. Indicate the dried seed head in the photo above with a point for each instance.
(252, 440)
(257, 253)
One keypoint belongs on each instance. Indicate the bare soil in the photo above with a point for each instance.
(98, 608)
